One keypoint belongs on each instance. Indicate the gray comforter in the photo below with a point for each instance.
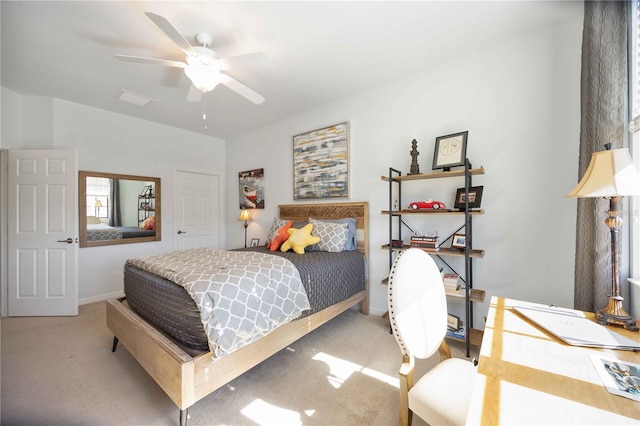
(241, 295)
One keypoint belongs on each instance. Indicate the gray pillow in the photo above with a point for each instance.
(351, 223)
(277, 224)
(333, 236)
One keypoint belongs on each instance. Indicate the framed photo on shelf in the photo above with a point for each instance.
(459, 241)
(255, 242)
(475, 197)
(451, 151)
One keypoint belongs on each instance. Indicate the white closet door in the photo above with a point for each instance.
(43, 233)
(198, 211)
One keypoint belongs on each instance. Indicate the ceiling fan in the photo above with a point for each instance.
(203, 67)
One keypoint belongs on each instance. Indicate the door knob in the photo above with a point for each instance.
(68, 241)
(181, 232)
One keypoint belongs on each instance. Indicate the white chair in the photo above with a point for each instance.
(418, 315)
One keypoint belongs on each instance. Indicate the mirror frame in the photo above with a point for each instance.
(82, 208)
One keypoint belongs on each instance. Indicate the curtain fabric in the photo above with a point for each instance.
(115, 217)
(603, 110)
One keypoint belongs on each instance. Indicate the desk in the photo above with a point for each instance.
(527, 376)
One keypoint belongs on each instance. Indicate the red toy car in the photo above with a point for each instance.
(427, 204)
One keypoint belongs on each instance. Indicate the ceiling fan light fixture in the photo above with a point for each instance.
(204, 78)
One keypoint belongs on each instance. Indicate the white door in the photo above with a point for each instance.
(198, 211)
(43, 233)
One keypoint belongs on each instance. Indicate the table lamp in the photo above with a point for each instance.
(611, 174)
(244, 215)
(97, 206)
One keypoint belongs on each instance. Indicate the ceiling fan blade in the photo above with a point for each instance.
(170, 31)
(257, 58)
(194, 94)
(142, 60)
(241, 89)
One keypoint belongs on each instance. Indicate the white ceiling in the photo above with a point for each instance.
(319, 51)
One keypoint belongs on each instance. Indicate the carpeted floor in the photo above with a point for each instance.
(60, 370)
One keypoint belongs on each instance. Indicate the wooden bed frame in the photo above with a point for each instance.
(187, 379)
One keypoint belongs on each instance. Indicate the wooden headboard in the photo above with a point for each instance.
(358, 211)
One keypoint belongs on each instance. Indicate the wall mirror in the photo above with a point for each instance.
(118, 209)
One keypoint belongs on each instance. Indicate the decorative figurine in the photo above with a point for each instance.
(415, 168)
(427, 204)
(395, 205)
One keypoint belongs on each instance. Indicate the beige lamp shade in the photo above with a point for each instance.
(611, 173)
(98, 203)
(244, 215)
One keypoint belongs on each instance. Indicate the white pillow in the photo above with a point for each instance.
(333, 236)
(92, 220)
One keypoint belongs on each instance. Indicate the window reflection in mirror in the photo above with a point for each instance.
(118, 209)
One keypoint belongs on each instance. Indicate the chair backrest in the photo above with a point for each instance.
(417, 303)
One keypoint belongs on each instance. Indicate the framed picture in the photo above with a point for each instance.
(475, 197)
(251, 186)
(459, 241)
(321, 163)
(255, 242)
(451, 151)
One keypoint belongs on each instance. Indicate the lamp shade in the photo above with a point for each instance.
(611, 173)
(244, 215)
(97, 203)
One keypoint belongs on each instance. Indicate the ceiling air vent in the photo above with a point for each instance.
(133, 98)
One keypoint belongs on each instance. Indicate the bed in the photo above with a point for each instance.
(188, 374)
(103, 232)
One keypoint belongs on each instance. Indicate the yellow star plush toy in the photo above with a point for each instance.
(299, 239)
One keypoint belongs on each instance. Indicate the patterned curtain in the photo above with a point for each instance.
(603, 112)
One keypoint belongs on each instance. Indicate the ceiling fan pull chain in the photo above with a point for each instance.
(204, 111)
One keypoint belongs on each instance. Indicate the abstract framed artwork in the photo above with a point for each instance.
(450, 151)
(251, 187)
(321, 163)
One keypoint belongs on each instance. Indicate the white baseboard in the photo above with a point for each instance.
(100, 298)
(376, 311)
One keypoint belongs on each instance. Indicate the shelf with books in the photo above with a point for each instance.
(461, 240)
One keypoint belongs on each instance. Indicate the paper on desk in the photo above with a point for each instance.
(619, 377)
(574, 328)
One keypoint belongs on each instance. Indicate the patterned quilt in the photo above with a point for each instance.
(241, 295)
(102, 232)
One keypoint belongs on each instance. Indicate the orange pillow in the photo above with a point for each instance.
(149, 223)
(281, 236)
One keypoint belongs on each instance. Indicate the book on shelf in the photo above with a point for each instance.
(427, 243)
(459, 333)
(451, 282)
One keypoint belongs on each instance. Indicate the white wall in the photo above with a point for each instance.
(519, 100)
(112, 143)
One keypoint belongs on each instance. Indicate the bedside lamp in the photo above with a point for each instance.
(611, 174)
(244, 215)
(97, 206)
